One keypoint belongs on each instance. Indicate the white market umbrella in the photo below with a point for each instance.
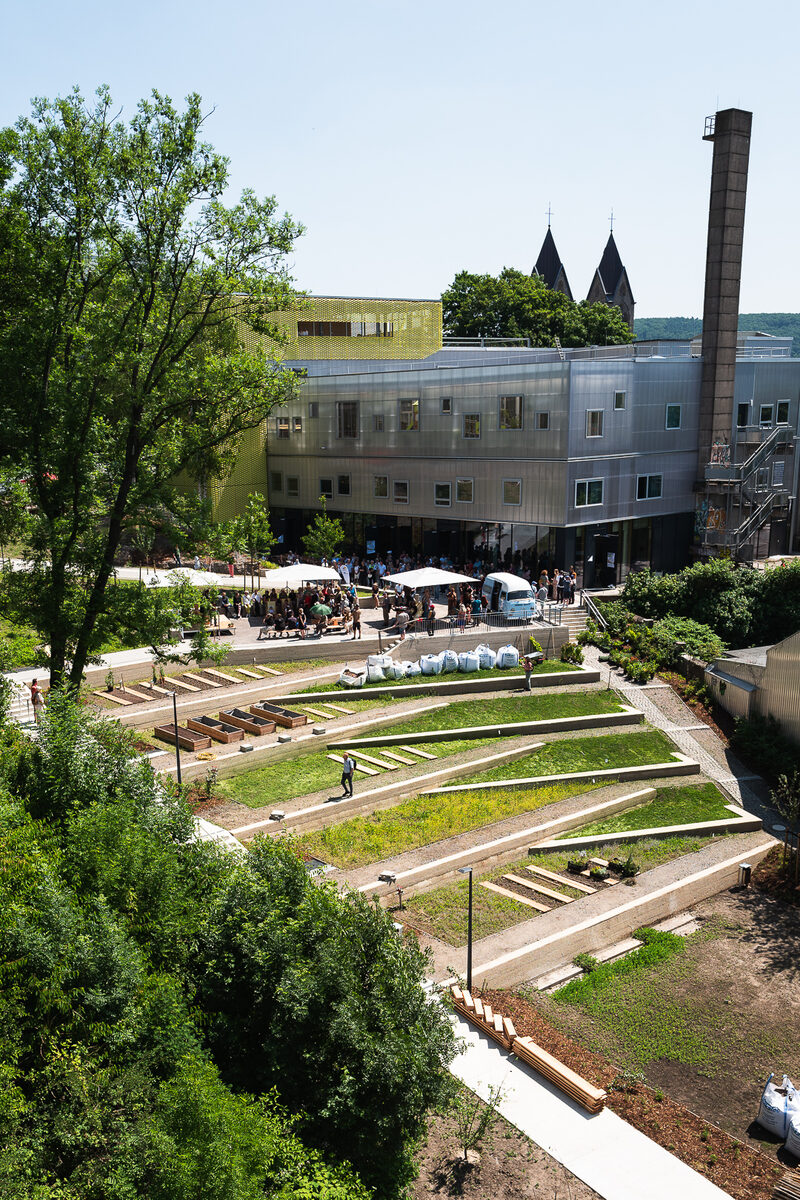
(427, 577)
(181, 574)
(296, 575)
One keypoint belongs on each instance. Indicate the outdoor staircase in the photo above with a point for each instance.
(573, 617)
(21, 709)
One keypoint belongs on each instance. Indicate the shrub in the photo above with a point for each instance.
(600, 873)
(535, 647)
(761, 744)
(586, 962)
(699, 640)
(571, 653)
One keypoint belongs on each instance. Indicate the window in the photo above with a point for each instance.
(292, 486)
(441, 495)
(742, 416)
(409, 415)
(512, 491)
(594, 422)
(672, 419)
(778, 469)
(447, 404)
(400, 491)
(345, 329)
(588, 491)
(765, 415)
(313, 409)
(347, 419)
(543, 420)
(283, 427)
(511, 412)
(648, 487)
(377, 422)
(782, 417)
(471, 425)
(619, 400)
(380, 487)
(326, 488)
(297, 424)
(464, 491)
(343, 485)
(276, 481)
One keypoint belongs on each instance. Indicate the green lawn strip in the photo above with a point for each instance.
(502, 710)
(17, 645)
(670, 806)
(658, 946)
(548, 667)
(600, 752)
(443, 911)
(418, 822)
(307, 773)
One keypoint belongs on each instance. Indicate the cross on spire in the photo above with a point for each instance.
(611, 219)
(549, 214)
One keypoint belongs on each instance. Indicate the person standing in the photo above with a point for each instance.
(527, 666)
(356, 622)
(348, 770)
(37, 700)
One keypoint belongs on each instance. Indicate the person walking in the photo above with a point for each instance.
(527, 666)
(348, 770)
(356, 622)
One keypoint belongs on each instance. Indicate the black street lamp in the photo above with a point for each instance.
(177, 743)
(468, 871)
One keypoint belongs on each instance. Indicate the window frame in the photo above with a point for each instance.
(276, 481)
(378, 422)
(442, 483)
(297, 424)
(617, 406)
(667, 426)
(375, 493)
(339, 491)
(471, 481)
(646, 478)
(520, 398)
(282, 428)
(595, 412)
(743, 408)
(779, 404)
(313, 410)
(341, 422)
(586, 483)
(470, 416)
(538, 426)
(446, 405)
(512, 503)
(292, 492)
(415, 413)
(326, 492)
(400, 499)
(770, 420)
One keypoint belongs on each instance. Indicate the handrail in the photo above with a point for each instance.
(593, 611)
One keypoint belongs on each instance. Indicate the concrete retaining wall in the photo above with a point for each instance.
(733, 824)
(682, 766)
(462, 685)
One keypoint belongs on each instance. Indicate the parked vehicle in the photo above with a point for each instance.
(511, 596)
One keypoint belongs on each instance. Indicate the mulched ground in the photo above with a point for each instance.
(736, 1168)
(717, 719)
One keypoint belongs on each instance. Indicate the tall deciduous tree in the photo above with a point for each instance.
(253, 531)
(324, 536)
(131, 304)
(517, 305)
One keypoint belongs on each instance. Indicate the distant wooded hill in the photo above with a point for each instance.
(778, 324)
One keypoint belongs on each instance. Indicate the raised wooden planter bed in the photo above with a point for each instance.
(215, 729)
(241, 719)
(281, 716)
(188, 739)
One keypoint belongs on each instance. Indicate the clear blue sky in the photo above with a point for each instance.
(415, 140)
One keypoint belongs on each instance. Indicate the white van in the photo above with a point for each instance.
(510, 595)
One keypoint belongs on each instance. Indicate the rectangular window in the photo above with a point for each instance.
(512, 491)
(297, 424)
(471, 425)
(293, 486)
(377, 422)
(347, 419)
(587, 492)
(313, 409)
(343, 485)
(742, 416)
(511, 412)
(283, 427)
(765, 415)
(543, 420)
(619, 400)
(782, 417)
(672, 417)
(380, 487)
(447, 404)
(465, 489)
(400, 491)
(326, 488)
(276, 481)
(594, 422)
(648, 487)
(441, 495)
(409, 416)
(778, 470)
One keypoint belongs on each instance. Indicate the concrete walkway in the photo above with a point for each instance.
(604, 1151)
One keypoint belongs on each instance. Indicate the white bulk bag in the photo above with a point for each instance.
(449, 660)
(793, 1133)
(350, 678)
(398, 670)
(486, 656)
(469, 661)
(507, 656)
(380, 660)
(776, 1109)
(413, 668)
(375, 674)
(430, 664)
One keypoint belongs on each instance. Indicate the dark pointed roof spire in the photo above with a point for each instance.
(549, 266)
(610, 284)
(611, 267)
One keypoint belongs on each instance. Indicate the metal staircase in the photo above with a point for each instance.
(741, 498)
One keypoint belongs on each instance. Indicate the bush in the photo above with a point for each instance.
(571, 653)
(535, 647)
(759, 741)
(699, 640)
(586, 962)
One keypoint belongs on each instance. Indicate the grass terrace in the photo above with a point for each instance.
(695, 804)
(585, 754)
(421, 821)
(548, 667)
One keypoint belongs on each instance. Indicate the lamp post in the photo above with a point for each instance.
(177, 743)
(468, 871)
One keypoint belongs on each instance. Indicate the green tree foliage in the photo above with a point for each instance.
(324, 537)
(125, 287)
(13, 510)
(514, 304)
(776, 324)
(252, 531)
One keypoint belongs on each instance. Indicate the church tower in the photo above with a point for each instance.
(550, 268)
(610, 284)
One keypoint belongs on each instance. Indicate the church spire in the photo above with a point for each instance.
(549, 266)
(610, 284)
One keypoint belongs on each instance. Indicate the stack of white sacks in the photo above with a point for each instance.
(779, 1112)
(383, 666)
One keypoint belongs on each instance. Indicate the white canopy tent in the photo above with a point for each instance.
(296, 575)
(427, 577)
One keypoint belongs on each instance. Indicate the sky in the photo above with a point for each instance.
(414, 141)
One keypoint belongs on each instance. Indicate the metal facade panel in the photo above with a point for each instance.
(779, 694)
